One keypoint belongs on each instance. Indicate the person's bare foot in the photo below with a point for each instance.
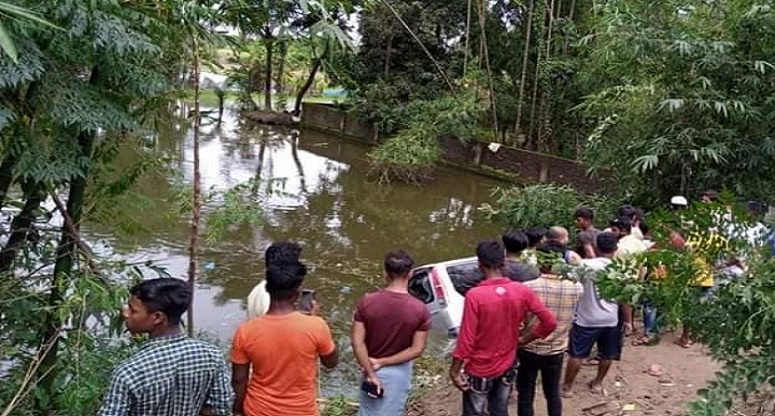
(567, 392)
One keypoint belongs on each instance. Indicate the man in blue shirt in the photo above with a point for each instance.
(171, 375)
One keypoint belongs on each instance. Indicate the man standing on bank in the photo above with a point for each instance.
(483, 360)
(282, 347)
(546, 355)
(389, 330)
(597, 322)
(172, 374)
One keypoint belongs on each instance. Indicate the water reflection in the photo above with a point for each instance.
(312, 189)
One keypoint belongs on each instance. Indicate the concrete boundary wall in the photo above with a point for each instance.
(521, 165)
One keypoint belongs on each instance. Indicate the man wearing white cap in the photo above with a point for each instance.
(678, 202)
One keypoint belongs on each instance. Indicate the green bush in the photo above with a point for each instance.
(546, 205)
(408, 157)
(411, 155)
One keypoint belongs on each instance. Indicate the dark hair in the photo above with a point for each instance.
(534, 235)
(640, 214)
(167, 295)
(515, 241)
(491, 254)
(552, 250)
(606, 243)
(754, 208)
(283, 281)
(585, 213)
(626, 210)
(283, 252)
(623, 223)
(398, 263)
(712, 194)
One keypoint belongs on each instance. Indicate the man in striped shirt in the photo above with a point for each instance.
(546, 355)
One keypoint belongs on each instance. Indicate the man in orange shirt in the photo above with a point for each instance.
(282, 348)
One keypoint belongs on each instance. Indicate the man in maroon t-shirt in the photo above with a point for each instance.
(389, 330)
(483, 360)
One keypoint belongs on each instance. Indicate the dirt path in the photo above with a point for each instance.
(685, 371)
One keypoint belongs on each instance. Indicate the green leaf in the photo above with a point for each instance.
(7, 44)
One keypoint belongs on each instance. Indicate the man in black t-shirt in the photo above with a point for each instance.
(515, 268)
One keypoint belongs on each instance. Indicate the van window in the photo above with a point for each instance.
(420, 285)
(465, 276)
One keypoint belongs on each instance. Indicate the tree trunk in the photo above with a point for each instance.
(268, 73)
(493, 106)
(66, 253)
(550, 31)
(307, 84)
(536, 81)
(388, 54)
(281, 67)
(468, 39)
(20, 226)
(525, 57)
(6, 170)
(196, 203)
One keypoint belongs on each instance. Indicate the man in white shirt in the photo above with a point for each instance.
(597, 321)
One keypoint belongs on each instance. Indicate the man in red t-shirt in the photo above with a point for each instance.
(389, 330)
(483, 360)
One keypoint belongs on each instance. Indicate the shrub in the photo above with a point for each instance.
(546, 205)
(411, 155)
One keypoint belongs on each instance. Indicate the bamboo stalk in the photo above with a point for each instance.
(493, 107)
(193, 249)
(525, 56)
(468, 39)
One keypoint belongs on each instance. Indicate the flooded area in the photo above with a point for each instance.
(313, 190)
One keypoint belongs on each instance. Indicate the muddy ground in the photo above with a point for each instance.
(628, 385)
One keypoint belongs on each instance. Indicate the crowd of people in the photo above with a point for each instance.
(521, 320)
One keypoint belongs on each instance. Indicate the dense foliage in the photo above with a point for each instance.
(546, 205)
(735, 322)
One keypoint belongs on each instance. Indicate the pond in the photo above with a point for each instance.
(314, 190)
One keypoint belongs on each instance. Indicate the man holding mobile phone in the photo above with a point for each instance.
(282, 347)
(390, 328)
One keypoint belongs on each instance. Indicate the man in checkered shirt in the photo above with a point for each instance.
(171, 375)
(546, 355)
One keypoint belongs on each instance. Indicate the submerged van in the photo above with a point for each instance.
(443, 286)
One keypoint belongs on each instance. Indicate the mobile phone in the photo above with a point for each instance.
(371, 389)
(305, 301)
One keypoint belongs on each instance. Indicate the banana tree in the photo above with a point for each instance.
(328, 38)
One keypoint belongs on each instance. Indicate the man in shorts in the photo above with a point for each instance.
(597, 321)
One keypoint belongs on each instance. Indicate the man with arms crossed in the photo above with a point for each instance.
(597, 321)
(389, 330)
(483, 360)
(171, 375)
(282, 347)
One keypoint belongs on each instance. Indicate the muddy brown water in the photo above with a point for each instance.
(314, 190)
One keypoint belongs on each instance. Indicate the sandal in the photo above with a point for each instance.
(592, 362)
(596, 389)
(642, 341)
(684, 344)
